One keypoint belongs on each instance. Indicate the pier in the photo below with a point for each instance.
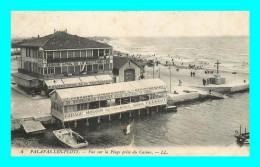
(106, 100)
(226, 88)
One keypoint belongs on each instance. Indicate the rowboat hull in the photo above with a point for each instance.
(68, 138)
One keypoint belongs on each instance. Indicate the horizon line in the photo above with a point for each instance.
(27, 37)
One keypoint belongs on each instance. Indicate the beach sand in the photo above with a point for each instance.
(163, 72)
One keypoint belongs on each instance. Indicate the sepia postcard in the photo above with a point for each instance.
(130, 83)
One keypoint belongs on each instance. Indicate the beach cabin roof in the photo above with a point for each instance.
(62, 40)
(65, 94)
(120, 61)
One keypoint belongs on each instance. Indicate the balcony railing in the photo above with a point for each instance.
(64, 75)
(58, 60)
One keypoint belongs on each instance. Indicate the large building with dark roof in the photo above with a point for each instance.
(61, 55)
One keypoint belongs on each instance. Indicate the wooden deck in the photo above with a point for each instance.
(31, 126)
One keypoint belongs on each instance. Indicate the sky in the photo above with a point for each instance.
(130, 24)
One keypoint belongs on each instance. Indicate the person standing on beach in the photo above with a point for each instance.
(204, 82)
(180, 82)
(207, 81)
(191, 74)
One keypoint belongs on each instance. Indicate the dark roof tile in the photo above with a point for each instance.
(62, 40)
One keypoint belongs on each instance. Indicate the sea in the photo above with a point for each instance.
(232, 52)
(201, 123)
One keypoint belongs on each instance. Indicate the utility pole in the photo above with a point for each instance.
(153, 65)
(170, 79)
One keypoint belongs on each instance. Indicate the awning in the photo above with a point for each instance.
(54, 82)
(103, 77)
(68, 81)
(151, 85)
(23, 76)
(76, 82)
(88, 79)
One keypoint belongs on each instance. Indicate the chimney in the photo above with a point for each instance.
(38, 36)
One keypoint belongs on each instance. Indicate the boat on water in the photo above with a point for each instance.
(69, 138)
(242, 138)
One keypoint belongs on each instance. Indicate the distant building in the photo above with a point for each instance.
(126, 69)
(61, 55)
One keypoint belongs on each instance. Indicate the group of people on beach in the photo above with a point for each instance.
(208, 72)
(194, 66)
(192, 74)
(206, 81)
